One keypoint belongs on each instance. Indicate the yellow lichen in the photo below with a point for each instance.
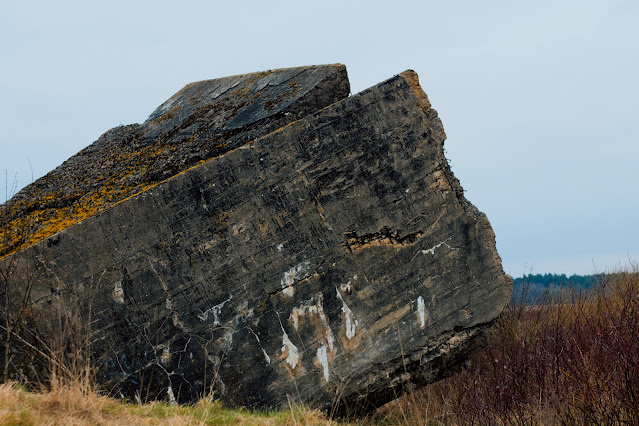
(166, 116)
(65, 200)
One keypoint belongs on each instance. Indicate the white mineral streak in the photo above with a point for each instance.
(351, 322)
(313, 306)
(228, 336)
(292, 275)
(293, 355)
(118, 292)
(215, 310)
(166, 355)
(322, 358)
(431, 250)
(266, 357)
(421, 311)
(169, 391)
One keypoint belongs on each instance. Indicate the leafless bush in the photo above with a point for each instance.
(572, 358)
(41, 344)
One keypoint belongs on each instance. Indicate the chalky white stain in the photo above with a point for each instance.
(228, 337)
(351, 322)
(280, 247)
(314, 306)
(166, 355)
(118, 292)
(292, 354)
(322, 358)
(215, 311)
(292, 275)
(431, 250)
(421, 311)
(169, 392)
(266, 357)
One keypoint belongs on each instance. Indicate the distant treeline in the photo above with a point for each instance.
(546, 280)
(536, 287)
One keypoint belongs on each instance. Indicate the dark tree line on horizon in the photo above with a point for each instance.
(546, 280)
(534, 288)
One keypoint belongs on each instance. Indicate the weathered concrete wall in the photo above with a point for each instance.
(203, 120)
(332, 262)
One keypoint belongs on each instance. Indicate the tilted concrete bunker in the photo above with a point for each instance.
(305, 246)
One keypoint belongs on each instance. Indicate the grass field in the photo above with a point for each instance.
(69, 405)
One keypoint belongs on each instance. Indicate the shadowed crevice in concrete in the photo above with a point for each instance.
(385, 236)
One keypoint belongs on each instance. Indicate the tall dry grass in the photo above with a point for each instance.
(71, 405)
(570, 359)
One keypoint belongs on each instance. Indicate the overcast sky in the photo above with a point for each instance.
(539, 99)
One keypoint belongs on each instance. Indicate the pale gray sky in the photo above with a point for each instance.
(539, 99)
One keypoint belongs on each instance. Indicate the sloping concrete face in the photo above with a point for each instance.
(332, 262)
(203, 120)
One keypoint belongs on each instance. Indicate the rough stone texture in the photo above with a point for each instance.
(333, 262)
(201, 121)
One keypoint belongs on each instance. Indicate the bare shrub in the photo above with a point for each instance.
(571, 358)
(45, 345)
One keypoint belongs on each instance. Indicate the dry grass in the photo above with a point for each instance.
(70, 405)
(570, 360)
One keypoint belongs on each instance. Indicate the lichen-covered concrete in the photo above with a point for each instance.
(203, 120)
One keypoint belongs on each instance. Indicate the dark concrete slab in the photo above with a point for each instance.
(333, 262)
(203, 120)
